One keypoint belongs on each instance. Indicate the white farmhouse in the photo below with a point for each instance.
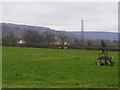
(21, 42)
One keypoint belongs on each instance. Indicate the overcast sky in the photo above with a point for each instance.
(97, 16)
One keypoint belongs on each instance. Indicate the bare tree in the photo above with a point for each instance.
(49, 37)
(33, 37)
(62, 38)
(9, 39)
(77, 41)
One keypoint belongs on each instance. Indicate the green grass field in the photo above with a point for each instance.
(53, 68)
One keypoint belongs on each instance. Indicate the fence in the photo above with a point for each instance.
(37, 45)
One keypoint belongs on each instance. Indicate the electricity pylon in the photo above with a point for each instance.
(82, 32)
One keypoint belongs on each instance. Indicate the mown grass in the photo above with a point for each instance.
(53, 68)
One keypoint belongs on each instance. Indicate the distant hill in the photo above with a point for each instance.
(96, 35)
(20, 29)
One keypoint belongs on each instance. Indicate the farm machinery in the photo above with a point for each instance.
(105, 59)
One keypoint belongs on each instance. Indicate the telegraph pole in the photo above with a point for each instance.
(82, 32)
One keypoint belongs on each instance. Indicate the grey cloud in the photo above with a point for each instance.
(65, 16)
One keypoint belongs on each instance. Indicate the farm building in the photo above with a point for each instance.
(21, 42)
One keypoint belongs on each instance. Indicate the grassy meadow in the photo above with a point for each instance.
(56, 68)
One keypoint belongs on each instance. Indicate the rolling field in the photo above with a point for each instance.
(55, 68)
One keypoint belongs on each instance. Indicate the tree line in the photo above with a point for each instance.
(50, 38)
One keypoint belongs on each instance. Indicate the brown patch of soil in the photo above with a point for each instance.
(53, 58)
(47, 59)
(13, 86)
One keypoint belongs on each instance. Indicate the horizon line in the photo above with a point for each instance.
(60, 30)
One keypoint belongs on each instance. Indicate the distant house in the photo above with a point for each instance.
(66, 43)
(21, 42)
(56, 43)
(59, 43)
